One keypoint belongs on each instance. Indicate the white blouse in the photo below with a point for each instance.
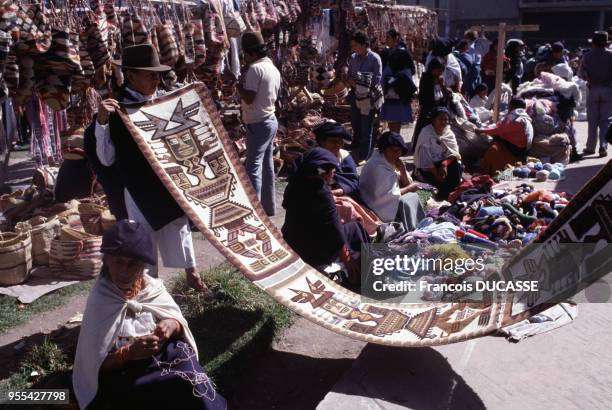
(135, 325)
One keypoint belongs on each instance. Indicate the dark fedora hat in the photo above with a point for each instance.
(600, 38)
(251, 40)
(141, 57)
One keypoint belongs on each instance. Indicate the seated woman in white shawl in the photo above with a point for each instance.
(436, 156)
(385, 186)
(135, 348)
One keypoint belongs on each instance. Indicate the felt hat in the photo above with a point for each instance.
(251, 40)
(600, 38)
(392, 139)
(437, 111)
(129, 239)
(331, 129)
(141, 57)
(557, 47)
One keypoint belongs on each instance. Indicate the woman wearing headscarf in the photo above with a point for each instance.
(436, 156)
(135, 348)
(432, 93)
(345, 187)
(386, 187)
(331, 136)
(312, 225)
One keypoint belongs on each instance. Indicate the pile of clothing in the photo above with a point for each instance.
(493, 216)
(551, 103)
(488, 220)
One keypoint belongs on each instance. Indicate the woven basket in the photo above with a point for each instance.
(107, 220)
(75, 255)
(339, 113)
(43, 231)
(91, 217)
(8, 201)
(15, 257)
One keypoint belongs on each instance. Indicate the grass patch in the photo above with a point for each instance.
(238, 326)
(13, 314)
(47, 359)
(231, 331)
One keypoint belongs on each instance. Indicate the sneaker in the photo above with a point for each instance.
(588, 152)
(603, 152)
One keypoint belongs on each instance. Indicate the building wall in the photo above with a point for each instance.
(572, 21)
(455, 16)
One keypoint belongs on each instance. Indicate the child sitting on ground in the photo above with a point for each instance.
(479, 103)
(479, 100)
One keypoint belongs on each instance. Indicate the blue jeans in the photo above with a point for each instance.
(599, 110)
(260, 163)
(362, 132)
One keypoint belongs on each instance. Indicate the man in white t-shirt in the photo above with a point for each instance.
(259, 87)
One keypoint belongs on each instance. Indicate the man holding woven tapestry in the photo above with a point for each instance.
(147, 201)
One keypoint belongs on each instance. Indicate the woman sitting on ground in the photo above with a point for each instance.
(331, 136)
(512, 139)
(312, 224)
(436, 157)
(135, 349)
(386, 187)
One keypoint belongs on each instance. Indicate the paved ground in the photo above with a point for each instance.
(567, 368)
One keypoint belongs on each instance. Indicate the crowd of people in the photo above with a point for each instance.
(457, 76)
(131, 324)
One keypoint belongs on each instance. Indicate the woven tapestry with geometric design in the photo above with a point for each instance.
(182, 137)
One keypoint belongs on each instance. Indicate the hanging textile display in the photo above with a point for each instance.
(416, 25)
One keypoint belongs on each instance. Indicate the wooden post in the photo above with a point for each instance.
(499, 71)
(502, 29)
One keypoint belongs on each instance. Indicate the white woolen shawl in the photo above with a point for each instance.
(379, 187)
(432, 148)
(106, 309)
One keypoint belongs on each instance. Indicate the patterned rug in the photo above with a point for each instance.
(182, 137)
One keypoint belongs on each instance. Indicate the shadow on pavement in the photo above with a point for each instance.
(577, 177)
(416, 378)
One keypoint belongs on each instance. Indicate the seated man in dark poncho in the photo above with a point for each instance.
(312, 224)
(332, 136)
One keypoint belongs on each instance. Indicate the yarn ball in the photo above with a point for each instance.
(548, 167)
(542, 175)
(523, 173)
(516, 171)
(531, 165)
(532, 173)
(558, 165)
(538, 166)
(554, 175)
